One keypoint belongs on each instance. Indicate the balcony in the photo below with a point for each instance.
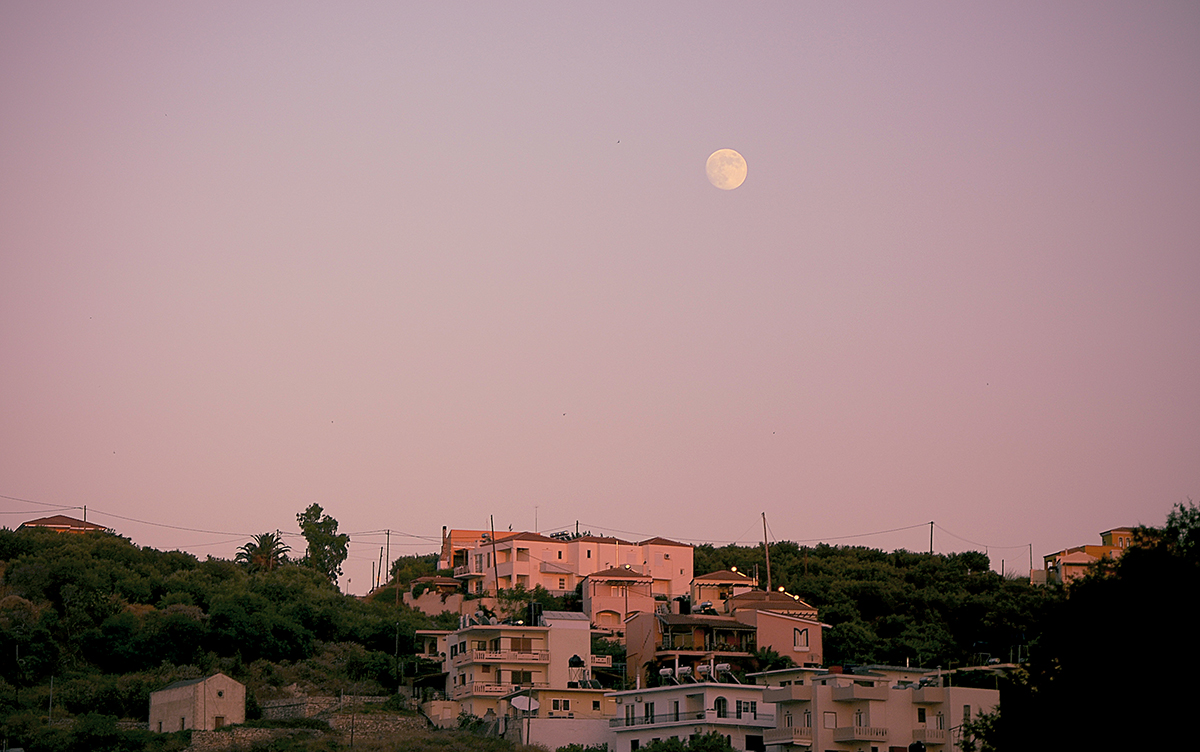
(685, 643)
(487, 689)
(502, 656)
(465, 571)
(758, 720)
(930, 735)
(929, 695)
(802, 735)
(857, 692)
(860, 734)
(791, 693)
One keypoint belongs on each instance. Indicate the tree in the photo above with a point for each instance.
(264, 552)
(981, 734)
(326, 548)
(1134, 609)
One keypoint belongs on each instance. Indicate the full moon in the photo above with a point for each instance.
(726, 169)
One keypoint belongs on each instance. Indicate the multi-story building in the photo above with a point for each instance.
(1070, 563)
(488, 662)
(711, 590)
(877, 708)
(612, 595)
(690, 708)
(559, 565)
(755, 620)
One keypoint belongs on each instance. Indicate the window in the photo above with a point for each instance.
(920, 715)
(560, 554)
(629, 718)
(521, 644)
(160, 727)
(648, 712)
(721, 706)
(556, 705)
(595, 704)
(486, 668)
(562, 583)
(800, 639)
(634, 744)
(218, 721)
(675, 711)
(522, 677)
(966, 713)
(566, 705)
(590, 556)
(830, 719)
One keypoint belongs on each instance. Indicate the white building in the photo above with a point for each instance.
(878, 708)
(203, 704)
(691, 708)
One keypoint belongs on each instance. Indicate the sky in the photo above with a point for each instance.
(444, 264)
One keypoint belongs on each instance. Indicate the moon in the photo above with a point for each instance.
(726, 169)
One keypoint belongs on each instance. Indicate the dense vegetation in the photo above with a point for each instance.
(901, 608)
(110, 622)
(1113, 666)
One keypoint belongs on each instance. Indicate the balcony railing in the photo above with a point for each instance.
(860, 734)
(930, 735)
(466, 571)
(791, 735)
(502, 656)
(755, 720)
(675, 642)
(853, 692)
(602, 660)
(791, 693)
(487, 689)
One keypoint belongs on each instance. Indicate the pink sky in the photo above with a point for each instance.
(426, 263)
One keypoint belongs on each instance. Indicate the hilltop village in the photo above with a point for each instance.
(563, 641)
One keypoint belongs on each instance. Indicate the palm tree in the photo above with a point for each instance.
(264, 552)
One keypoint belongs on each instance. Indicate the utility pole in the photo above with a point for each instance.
(931, 537)
(495, 563)
(767, 551)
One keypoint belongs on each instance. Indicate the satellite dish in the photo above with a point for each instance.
(525, 702)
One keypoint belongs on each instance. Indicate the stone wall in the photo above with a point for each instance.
(376, 724)
(310, 707)
(216, 741)
(368, 726)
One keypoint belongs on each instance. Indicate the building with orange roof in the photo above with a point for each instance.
(1070, 563)
(717, 587)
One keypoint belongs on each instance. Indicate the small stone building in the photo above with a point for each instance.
(203, 704)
